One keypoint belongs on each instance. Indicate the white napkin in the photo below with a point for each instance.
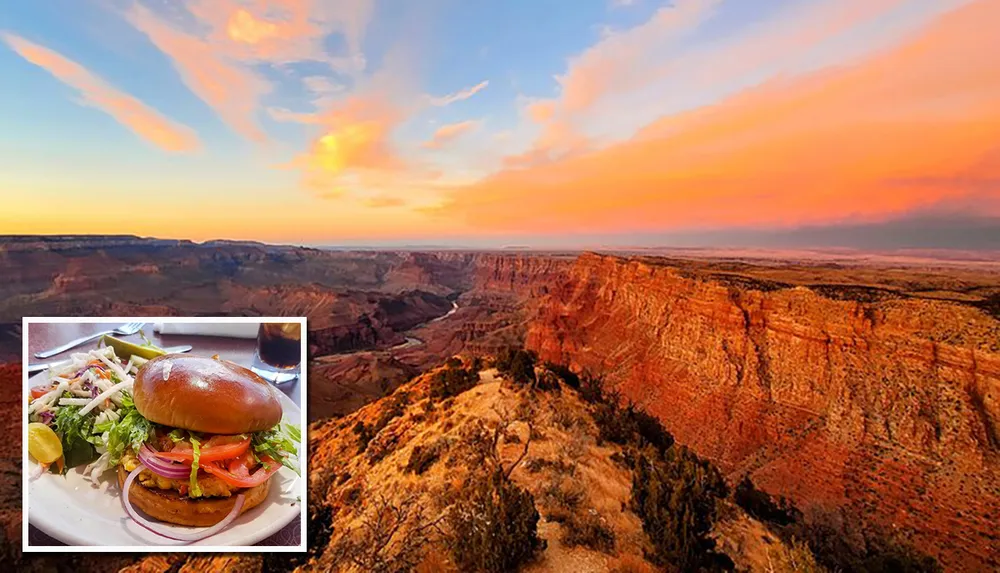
(226, 329)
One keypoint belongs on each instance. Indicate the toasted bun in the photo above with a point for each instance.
(171, 507)
(205, 395)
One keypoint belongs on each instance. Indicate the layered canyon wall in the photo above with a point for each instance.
(854, 403)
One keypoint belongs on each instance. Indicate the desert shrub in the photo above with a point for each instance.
(559, 465)
(564, 374)
(477, 364)
(836, 547)
(453, 362)
(546, 381)
(888, 557)
(452, 382)
(565, 495)
(364, 434)
(675, 494)
(423, 457)
(795, 558)
(517, 364)
(588, 529)
(628, 425)
(495, 526)
(565, 419)
(394, 407)
(592, 389)
(651, 430)
(392, 536)
(762, 506)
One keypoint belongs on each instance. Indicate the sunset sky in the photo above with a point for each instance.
(488, 123)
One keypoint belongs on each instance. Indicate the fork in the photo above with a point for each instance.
(123, 330)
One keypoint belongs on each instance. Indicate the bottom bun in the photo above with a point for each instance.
(170, 506)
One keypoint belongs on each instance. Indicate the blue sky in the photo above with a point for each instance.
(369, 120)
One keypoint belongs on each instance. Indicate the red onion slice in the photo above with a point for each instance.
(163, 468)
(166, 532)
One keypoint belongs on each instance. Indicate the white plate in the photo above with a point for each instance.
(73, 510)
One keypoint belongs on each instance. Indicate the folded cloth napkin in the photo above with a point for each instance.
(227, 329)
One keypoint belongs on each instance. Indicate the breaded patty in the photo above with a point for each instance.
(210, 485)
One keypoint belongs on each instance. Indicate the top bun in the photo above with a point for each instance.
(206, 395)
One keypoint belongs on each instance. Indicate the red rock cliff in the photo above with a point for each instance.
(885, 410)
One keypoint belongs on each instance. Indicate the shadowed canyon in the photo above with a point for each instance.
(867, 394)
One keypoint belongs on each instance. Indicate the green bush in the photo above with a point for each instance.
(840, 545)
(625, 426)
(423, 457)
(495, 526)
(517, 364)
(564, 374)
(762, 506)
(452, 382)
(675, 494)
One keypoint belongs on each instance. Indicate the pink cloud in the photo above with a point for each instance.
(143, 120)
(450, 132)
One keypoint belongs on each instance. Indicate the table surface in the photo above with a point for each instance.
(42, 336)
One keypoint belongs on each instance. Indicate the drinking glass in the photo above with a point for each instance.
(279, 352)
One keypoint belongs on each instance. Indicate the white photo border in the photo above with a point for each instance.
(303, 446)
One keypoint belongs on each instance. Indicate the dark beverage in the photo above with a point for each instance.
(279, 344)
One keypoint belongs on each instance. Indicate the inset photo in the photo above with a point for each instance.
(164, 434)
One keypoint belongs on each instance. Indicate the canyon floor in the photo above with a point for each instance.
(864, 388)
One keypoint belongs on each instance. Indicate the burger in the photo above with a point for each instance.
(200, 441)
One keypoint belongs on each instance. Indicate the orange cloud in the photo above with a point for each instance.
(904, 130)
(541, 111)
(95, 92)
(229, 89)
(355, 138)
(244, 27)
(450, 132)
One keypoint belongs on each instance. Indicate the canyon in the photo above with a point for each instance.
(868, 394)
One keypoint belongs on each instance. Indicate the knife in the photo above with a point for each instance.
(39, 367)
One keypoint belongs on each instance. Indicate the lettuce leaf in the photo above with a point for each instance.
(279, 443)
(131, 430)
(74, 431)
(195, 489)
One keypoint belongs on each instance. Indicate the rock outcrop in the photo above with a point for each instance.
(884, 408)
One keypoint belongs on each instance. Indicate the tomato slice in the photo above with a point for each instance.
(256, 478)
(39, 391)
(240, 466)
(221, 449)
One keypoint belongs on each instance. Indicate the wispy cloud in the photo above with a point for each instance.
(143, 120)
(459, 95)
(219, 44)
(663, 66)
(450, 132)
(886, 136)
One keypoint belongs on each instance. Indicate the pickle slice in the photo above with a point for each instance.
(124, 349)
